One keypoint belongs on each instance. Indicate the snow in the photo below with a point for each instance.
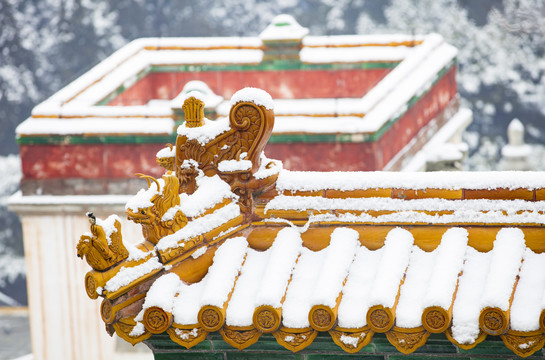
(350, 340)
(283, 27)
(268, 167)
(214, 288)
(466, 308)
(526, 307)
(290, 108)
(253, 95)
(200, 90)
(357, 290)
(471, 208)
(166, 152)
(297, 303)
(223, 272)
(284, 252)
(392, 266)
(161, 294)
(199, 226)
(516, 151)
(449, 261)
(234, 165)
(18, 199)
(126, 275)
(398, 75)
(506, 260)
(346, 181)
(203, 134)
(242, 303)
(354, 54)
(358, 40)
(410, 306)
(199, 252)
(211, 190)
(186, 305)
(143, 197)
(339, 257)
(95, 126)
(108, 226)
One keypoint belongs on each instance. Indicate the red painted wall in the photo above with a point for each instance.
(286, 84)
(368, 156)
(122, 161)
(89, 161)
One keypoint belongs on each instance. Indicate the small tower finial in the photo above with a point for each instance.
(193, 110)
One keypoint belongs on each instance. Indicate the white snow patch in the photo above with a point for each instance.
(448, 264)
(127, 275)
(253, 95)
(526, 306)
(223, 271)
(200, 226)
(392, 266)
(303, 282)
(357, 290)
(339, 257)
(203, 134)
(507, 254)
(466, 308)
(283, 256)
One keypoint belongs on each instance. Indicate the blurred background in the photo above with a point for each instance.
(46, 44)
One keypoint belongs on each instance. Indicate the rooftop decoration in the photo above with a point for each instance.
(238, 246)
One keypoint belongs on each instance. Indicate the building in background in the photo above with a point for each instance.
(341, 103)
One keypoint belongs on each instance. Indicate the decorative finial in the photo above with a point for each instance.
(193, 111)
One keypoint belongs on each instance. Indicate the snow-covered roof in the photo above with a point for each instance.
(236, 244)
(78, 109)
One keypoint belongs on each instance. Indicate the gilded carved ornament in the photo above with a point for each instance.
(101, 250)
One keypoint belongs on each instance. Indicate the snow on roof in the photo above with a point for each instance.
(346, 181)
(421, 58)
(253, 95)
(283, 27)
(399, 275)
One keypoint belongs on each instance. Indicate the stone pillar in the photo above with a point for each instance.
(64, 322)
(516, 154)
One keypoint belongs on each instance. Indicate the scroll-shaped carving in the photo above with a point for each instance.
(435, 319)
(322, 318)
(250, 127)
(157, 320)
(211, 318)
(351, 341)
(107, 311)
(267, 318)
(240, 338)
(524, 344)
(91, 285)
(407, 340)
(155, 223)
(380, 319)
(295, 339)
(101, 250)
(494, 321)
(187, 337)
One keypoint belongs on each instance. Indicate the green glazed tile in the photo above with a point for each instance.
(262, 356)
(342, 355)
(190, 356)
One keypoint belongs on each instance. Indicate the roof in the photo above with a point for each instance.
(235, 244)
(111, 93)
